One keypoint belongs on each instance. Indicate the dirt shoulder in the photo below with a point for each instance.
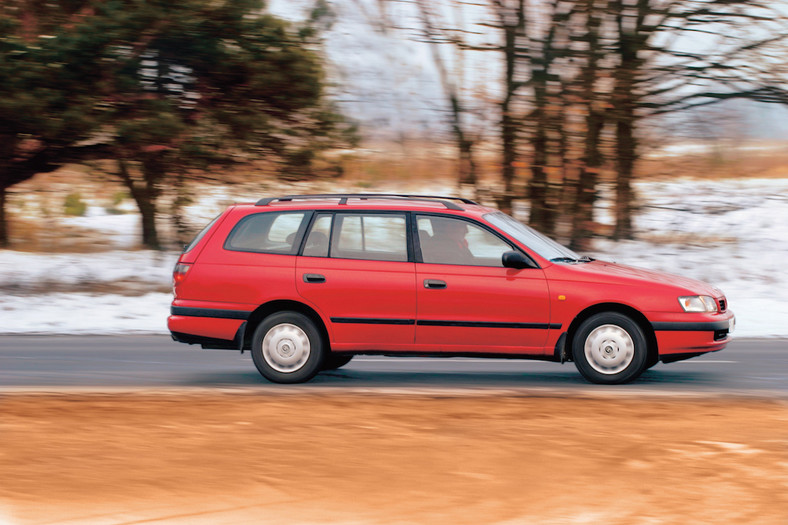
(353, 458)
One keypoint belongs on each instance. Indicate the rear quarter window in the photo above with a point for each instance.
(189, 247)
(268, 233)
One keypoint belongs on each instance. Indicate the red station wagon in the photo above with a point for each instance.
(305, 282)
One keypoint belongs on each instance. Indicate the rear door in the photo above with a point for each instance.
(356, 271)
(467, 300)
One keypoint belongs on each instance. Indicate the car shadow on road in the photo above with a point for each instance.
(378, 379)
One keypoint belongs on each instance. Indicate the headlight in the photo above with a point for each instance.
(698, 303)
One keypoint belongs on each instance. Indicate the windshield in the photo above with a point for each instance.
(541, 244)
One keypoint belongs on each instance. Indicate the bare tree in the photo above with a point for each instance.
(463, 137)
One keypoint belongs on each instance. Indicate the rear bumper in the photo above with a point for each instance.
(683, 338)
(211, 328)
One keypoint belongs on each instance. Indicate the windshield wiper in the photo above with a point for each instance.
(564, 259)
(582, 259)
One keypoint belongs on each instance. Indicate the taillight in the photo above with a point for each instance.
(179, 273)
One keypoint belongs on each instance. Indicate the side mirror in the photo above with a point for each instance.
(516, 260)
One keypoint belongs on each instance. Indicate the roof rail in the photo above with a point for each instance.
(343, 197)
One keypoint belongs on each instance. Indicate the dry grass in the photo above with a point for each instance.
(52, 236)
(728, 164)
(687, 238)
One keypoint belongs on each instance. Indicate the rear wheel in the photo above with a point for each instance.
(610, 348)
(334, 361)
(287, 348)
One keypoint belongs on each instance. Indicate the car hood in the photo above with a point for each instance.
(608, 272)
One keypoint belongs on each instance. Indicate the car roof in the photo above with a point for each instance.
(370, 201)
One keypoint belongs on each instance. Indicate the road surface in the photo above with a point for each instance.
(52, 363)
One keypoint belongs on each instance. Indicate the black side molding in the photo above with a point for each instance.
(429, 322)
(216, 313)
(370, 320)
(486, 324)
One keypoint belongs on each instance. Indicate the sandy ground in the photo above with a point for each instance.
(409, 458)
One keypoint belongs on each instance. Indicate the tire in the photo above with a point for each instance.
(651, 362)
(287, 348)
(334, 361)
(610, 348)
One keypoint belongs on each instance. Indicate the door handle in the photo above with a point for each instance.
(314, 278)
(434, 284)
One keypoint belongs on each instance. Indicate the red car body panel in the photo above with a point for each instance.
(362, 301)
(385, 306)
(476, 306)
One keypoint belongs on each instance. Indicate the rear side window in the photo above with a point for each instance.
(372, 237)
(268, 233)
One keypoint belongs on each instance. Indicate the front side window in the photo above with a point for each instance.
(446, 240)
(267, 233)
(367, 236)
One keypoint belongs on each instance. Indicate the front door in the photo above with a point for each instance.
(467, 300)
(355, 271)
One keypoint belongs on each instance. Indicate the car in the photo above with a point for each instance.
(306, 282)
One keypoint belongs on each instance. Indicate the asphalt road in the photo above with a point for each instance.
(65, 363)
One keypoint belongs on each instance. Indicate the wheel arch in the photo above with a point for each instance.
(635, 315)
(272, 307)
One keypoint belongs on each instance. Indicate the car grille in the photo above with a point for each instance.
(723, 305)
(720, 334)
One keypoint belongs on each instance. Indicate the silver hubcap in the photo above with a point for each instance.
(609, 349)
(286, 348)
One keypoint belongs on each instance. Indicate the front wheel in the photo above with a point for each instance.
(610, 348)
(287, 348)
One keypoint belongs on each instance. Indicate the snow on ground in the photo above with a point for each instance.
(33, 272)
(82, 313)
(731, 233)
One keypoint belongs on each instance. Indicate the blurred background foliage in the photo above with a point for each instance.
(542, 100)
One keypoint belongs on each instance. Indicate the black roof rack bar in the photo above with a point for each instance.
(343, 197)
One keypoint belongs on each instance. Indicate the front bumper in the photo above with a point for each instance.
(692, 336)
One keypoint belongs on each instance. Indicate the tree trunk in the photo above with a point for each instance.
(513, 26)
(150, 237)
(182, 198)
(537, 188)
(585, 196)
(145, 197)
(625, 162)
(508, 157)
(4, 239)
(626, 147)
(467, 165)
(630, 20)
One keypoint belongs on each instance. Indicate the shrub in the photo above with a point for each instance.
(74, 205)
